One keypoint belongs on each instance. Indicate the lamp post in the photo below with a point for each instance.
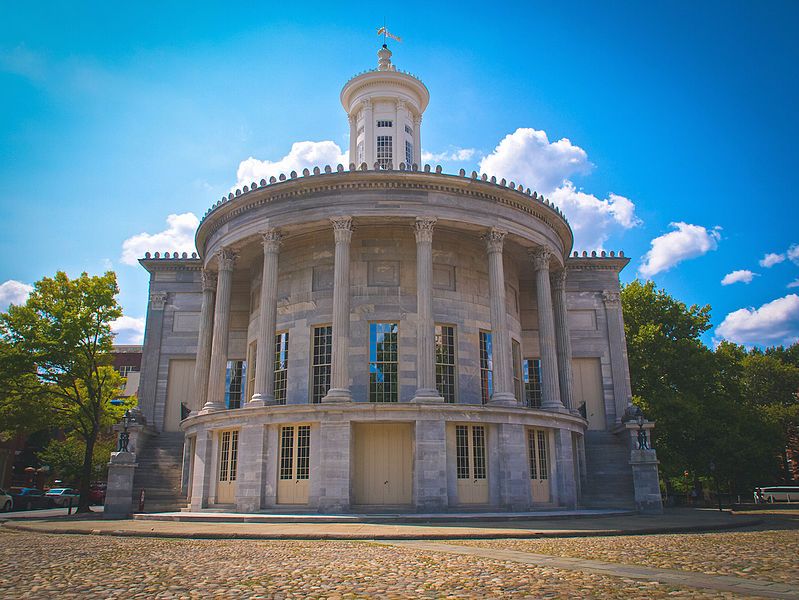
(124, 435)
(716, 481)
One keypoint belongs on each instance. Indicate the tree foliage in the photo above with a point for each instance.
(57, 348)
(729, 408)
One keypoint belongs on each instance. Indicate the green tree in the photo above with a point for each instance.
(60, 341)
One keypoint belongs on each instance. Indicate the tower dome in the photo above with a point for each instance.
(385, 108)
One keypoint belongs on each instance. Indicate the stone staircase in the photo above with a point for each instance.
(159, 473)
(610, 477)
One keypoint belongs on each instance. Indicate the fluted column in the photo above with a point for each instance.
(562, 338)
(425, 326)
(619, 365)
(501, 351)
(339, 369)
(353, 119)
(369, 141)
(550, 385)
(226, 258)
(204, 341)
(264, 389)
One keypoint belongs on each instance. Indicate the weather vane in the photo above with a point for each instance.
(386, 34)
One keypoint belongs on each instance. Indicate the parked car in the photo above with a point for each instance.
(6, 501)
(29, 498)
(97, 493)
(62, 496)
(777, 493)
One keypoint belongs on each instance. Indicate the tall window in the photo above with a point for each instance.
(516, 350)
(235, 375)
(445, 362)
(385, 124)
(385, 153)
(531, 368)
(486, 366)
(470, 448)
(537, 450)
(281, 365)
(383, 376)
(322, 351)
(408, 153)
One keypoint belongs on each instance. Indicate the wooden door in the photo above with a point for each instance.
(178, 391)
(294, 469)
(538, 455)
(588, 390)
(471, 465)
(228, 463)
(382, 472)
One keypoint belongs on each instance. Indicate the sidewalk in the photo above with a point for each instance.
(673, 521)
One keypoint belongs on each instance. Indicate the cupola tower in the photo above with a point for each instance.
(385, 108)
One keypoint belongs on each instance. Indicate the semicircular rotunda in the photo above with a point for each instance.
(381, 335)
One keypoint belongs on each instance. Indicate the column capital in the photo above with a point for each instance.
(226, 258)
(271, 239)
(611, 298)
(342, 228)
(494, 239)
(352, 119)
(540, 257)
(366, 103)
(423, 228)
(158, 300)
(209, 280)
(558, 279)
(417, 120)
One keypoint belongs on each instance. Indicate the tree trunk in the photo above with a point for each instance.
(86, 473)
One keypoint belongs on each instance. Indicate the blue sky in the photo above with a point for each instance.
(114, 117)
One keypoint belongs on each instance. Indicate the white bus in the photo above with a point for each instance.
(777, 493)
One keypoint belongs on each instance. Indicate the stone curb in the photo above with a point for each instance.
(532, 534)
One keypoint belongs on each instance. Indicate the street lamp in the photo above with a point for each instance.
(712, 466)
(643, 442)
(124, 436)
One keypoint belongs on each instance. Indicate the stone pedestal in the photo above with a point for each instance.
(644, 463)
(119, 494)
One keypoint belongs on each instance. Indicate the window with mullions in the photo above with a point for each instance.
(408, 153)
(531, 368)
(385, 152)
(281, 365)
(486, 366)
(322, 352)
(235, 376)
(383, 353)
(445, 362)
(385, 124)
(286, 452)
(462, 451)
(408, 130)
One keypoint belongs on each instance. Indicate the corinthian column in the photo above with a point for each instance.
(501, 350)
(550, 386)
(339, 369)
(564, 342)
(226, 258)
(425, 327)
(264, 389)
(204, 341)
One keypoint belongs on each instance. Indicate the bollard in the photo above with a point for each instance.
(69, 508)
(141, 501)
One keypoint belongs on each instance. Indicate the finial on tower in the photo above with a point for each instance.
(384, 59)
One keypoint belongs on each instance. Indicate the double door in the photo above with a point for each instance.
(471, 467)
(383, 464)
(227, 467)
(538, 455)
(294, 469)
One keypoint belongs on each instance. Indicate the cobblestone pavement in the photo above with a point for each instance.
(34, 565)
(763, 555)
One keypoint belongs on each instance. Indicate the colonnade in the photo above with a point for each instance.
(554, 341)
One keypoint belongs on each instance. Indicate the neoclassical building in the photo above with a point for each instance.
(384, 336)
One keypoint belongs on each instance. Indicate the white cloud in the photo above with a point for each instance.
(793, 254)
(591, 218)
(776, 322)
(771, 259)
(526, 156)
(13, 292)
(128, 330)
(687, 241)
(741, 276)
(177, 237)
(303, 155)
(793, 284)
(455, 155)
